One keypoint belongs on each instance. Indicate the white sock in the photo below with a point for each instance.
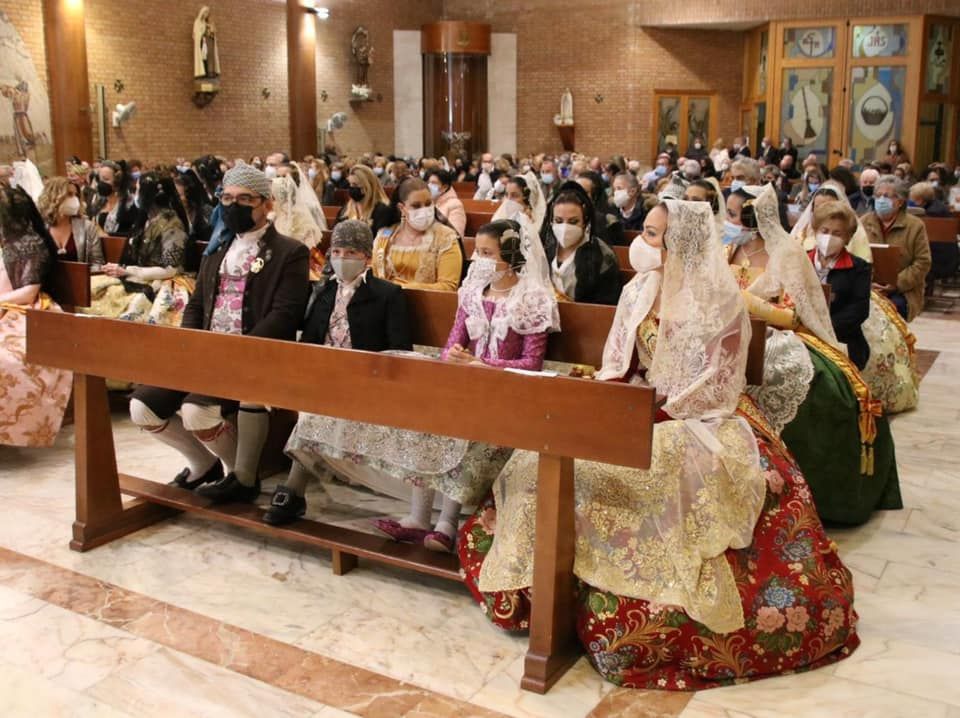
(297, 478)
(421, 509)
(172, 433)
(253, 423)
(449, 519)
(222, 441)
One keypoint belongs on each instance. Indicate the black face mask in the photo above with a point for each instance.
(867, 191)
(356, 193)
(104, 189)
(238, 218)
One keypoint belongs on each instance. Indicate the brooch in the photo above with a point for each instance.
(257, 265)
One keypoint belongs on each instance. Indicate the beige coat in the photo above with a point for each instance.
(910, 235)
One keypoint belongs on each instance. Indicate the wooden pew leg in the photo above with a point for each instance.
(343, 563)
(101, 516)
(553, 645)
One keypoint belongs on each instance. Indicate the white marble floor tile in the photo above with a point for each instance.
(24, 693)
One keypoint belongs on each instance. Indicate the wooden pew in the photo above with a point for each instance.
(69, 284)
(113, 248)
(330, 214)
(630, 235)
(469, 244)
(341, 197)
(541, 414)
(941, 229)
(886, 263)
(475, 220)
(480, 205)
(465, 190)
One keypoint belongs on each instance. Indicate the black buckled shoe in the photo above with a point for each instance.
(285, 507)
(183, 480)
(229, 490)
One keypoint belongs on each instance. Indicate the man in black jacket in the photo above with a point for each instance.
(351, 310)
(256, 284)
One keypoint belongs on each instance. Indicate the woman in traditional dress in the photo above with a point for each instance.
(813, 392)
(298, 215)
(32, 398)
(891, 371)
(524, 203)
(711, 566)
(150, 284)
(420, 252)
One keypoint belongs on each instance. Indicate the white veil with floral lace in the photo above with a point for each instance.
(859, 245)
(297, 211)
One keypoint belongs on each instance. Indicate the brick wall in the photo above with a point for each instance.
(600, 49)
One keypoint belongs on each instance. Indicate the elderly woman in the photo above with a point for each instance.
(890, 224)
(440, 183)
(76, 237)
(923, 196)
(627, 199)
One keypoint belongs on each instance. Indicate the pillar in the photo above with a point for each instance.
(302, 78)
(70, 110)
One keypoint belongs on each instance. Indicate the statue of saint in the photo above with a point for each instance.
(206, 57)
(363, 53)
(566, 109)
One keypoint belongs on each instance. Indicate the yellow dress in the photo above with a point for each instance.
(435, 263)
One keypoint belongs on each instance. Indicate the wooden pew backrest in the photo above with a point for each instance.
(483, 206)
(330, 214)
(941, 229)
(113, 248)
(465, 190)
(886, 263)
(69, 284)
(475, 220)
(341, 197)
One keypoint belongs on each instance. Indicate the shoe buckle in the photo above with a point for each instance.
(281, 499)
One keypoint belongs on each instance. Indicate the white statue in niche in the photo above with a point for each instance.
(206, 56)
(566, 109)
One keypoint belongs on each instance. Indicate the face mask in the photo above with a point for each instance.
(104, 189)
(547, 178)
(935, 183)
(136, 175)
(605, 177)
(347, 269)
(336, 175)
(867, 190)
(660, 170)
(911, 203)
(423, 174)
(421, 219)
(893, 149)
(525, 169)
(484, 270)
(238, 218)
(258, 165)
(828, 245)
(434, 190)
(488, 168)
(568, 235)
(378, 171)
(813, 186)
(736, 185)
(356, 193)
(499, 188)
(698, 145)
(70, 207)
(643, 257)
(736, 234)
(621, 198)
(511, 208)
(312, 174)
(270, 171)
(883, 206)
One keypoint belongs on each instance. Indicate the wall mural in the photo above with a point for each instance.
(805, 117)
(876, 110)
(24, 107)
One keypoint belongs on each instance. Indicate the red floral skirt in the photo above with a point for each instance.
(797, 600)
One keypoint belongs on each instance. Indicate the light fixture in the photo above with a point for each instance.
(321, 12)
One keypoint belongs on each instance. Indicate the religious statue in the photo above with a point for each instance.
(566, 109)
(363, 54)
(206, 57)
(19, 96)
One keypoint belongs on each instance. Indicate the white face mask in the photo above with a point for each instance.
(621, 198)
(828, 245)
(736, 234)
(336, 175)
(378, 171)
(347, 268)
(568, 235)
(421, 219)
(484, 270)
(270, 171)
(70, 207)
(643, 257)
(312, 174)
(511, 208)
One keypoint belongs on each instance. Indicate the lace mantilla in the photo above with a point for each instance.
(787, 373)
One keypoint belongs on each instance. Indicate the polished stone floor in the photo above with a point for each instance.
(189, 618)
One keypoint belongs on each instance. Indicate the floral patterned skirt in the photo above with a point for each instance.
(891, 371)
(170, 296)
(797, 600)
(32, 398)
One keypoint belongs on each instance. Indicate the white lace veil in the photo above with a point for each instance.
(701, 354)
(297, 212)
(789, 271)
(530, 308)
(635, 302)
(721, 213)
(859, 245)
(538, 207)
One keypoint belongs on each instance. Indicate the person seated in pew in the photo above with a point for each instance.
(33, 398)
(834, 225)
(352, 310)
(627, 199)
(440, 183)
(150, 283)
(583, 267)
(114, 211)
(703, 191)
(607, 225)
(257, 285)
(923, 196)
(812, 393)
(889, 223)
(716, 576)
(76, 237)
(297, 214)
(199, 211)
(368, 201)
(420, 252)
(524, 203)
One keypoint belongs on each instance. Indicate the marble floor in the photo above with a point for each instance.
(188, 618)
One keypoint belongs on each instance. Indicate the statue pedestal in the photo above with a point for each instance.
(567, 137)
(204, 90)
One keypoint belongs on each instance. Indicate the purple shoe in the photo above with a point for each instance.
(438, 541)
(394, 530)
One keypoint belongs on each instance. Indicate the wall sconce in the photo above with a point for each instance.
(265, 93)
(598, 98)
(324, 95)
(118, 86)
(309, 6)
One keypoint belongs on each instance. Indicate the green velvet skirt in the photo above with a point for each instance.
(824, 437)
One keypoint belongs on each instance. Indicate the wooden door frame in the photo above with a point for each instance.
(683, 131)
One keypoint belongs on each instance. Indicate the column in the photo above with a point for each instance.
(66, 47)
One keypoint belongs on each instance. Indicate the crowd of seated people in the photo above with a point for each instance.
(708, 239)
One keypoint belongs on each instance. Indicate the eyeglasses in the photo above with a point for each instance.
(244, 200)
